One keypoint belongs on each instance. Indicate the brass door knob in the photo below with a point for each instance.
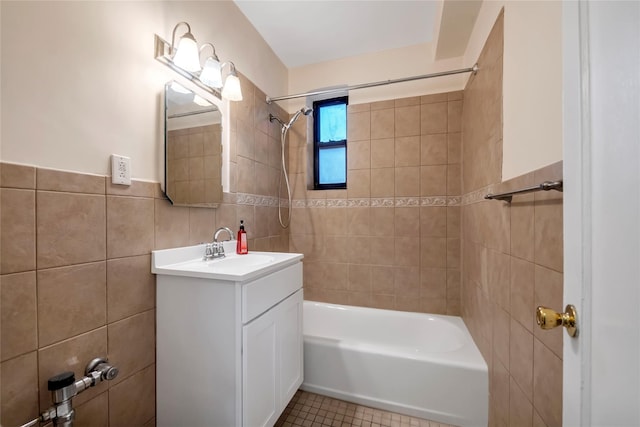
(549, 319)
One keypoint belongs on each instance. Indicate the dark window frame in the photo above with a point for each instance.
(333, 144)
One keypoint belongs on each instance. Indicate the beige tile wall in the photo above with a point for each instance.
(511, 261)
(392, 238)
(76, 284)
(75, 280)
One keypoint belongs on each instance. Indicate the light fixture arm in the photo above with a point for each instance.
(173, 36)
(214, 56)
(232, 68)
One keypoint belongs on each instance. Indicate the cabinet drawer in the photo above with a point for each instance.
(261, 294)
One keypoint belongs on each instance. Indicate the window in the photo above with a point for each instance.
(330, 143)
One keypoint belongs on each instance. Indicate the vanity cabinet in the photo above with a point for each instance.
(229, 352)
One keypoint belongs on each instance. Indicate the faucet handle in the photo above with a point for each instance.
(210, 250)
(219, 251)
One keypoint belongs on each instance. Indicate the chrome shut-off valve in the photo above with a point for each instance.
(64, 387)
(101, 367)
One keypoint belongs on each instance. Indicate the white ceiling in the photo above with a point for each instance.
(305, 32)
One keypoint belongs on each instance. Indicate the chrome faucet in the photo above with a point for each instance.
(220, 230)
(216, 249)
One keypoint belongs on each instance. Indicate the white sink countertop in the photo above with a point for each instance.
(188, 261)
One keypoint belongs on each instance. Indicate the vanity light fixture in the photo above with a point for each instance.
(231, 89)
(185, 60)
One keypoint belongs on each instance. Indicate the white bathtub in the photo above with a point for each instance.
(421, 365)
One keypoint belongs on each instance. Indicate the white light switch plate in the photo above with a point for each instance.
(120, 170)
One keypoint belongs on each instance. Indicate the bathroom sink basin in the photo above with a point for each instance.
(188, 261)
(239, 262)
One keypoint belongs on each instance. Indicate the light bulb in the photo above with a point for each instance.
(211, 74)
(187, 54)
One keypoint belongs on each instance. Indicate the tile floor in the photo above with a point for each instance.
(313, 410)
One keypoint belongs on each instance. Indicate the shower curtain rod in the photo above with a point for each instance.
(473, 70)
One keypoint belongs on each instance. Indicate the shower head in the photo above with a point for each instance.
(304, 110)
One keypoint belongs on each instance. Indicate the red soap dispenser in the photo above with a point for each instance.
(242, 246)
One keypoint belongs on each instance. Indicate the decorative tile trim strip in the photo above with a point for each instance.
(434, 201)
(257, 200)
(389, 202)
(358, 203)
(245, 199)
(454, 200)
(402, 202)
(316, 203)
(382, 203)
(336, 203)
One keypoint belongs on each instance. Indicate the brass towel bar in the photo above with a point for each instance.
(545, 186)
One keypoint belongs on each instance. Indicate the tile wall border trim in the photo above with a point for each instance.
(258, 200)
(388, 202)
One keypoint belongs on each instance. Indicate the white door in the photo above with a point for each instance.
(601, 50)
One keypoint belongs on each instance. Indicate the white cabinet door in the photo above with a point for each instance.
(271, 362)
(289, 336)
(259, 372)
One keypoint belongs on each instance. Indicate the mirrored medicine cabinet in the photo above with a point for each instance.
(193, 147)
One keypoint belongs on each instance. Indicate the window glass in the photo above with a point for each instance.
(333, 123)
(332, 161)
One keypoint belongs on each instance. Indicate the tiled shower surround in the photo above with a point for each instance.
(392, 239)
(76, 278)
